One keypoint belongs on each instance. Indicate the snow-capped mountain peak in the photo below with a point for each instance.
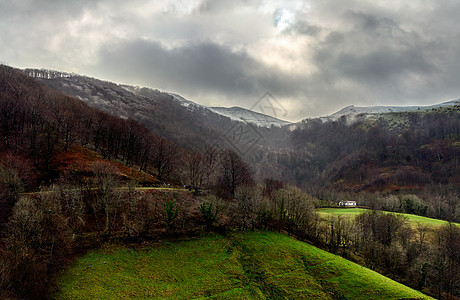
(187, 103)
(235, 113)
(241, 114)
(353, 111)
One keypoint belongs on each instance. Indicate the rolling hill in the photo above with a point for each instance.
(413, 220)
(258, 265)
(353, 111)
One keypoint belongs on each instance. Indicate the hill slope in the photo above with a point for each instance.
(370, 149)
(352, 111)
(168, 115)
(235, 113)
(241, 114)
(413, 220)
(256, 265)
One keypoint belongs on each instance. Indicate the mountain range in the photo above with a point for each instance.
(122, 100)
(353, 111)
(355, 148)
(90, 136)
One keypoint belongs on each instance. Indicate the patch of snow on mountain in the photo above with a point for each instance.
(235, 113)
(249, 116)
(352, 111)
(186, 103)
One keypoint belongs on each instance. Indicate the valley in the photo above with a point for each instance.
(94, 171)
(203, 149)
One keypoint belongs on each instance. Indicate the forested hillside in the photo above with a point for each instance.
(191, 125)
(388, 151)
(408, 152)
(48, 137)
(74, 178)
(398, 149)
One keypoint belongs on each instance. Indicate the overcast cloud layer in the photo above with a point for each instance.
(315, 57)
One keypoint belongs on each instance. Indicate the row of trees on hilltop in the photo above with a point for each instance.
(46, 227)
(421, 256)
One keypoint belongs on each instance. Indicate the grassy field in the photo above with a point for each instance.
(412, 219)
(257, 265)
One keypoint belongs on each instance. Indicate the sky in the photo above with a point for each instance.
(313, 57)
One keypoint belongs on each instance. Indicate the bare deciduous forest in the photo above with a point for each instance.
(73, 178)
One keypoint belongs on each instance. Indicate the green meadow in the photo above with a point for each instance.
(413, 220)
(255, 265)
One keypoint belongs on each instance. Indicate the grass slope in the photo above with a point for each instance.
(412, 219)
(258, 265)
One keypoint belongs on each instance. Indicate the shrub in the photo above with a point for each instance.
(209, 214)
(414, 205)
(171, 212)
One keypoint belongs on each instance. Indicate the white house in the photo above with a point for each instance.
(347, 203)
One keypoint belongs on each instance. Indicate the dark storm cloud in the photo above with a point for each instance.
(194, 68)
(383, 61)
(375, 51)
(315, 57)
(381, 65)
(203, 66)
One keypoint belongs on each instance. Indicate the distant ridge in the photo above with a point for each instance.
(234, 113)
(353, 111)
(242, 114)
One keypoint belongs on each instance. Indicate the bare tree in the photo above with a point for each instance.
(294, 208)
(164, 157)
(247, 198)
(271, 186)
(106, 179)
(422, 231)
(233, 173)
(73, 206)
(195, 168)
(210, 162)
